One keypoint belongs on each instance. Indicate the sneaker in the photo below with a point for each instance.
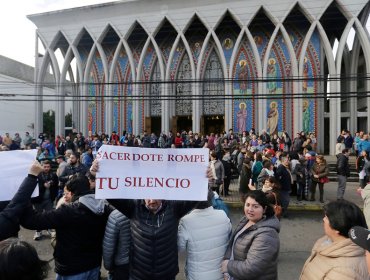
(37, 236)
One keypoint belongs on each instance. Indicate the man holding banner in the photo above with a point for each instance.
(164, 175)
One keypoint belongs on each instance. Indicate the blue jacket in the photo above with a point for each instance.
(364, 145)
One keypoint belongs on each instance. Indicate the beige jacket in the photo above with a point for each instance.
(365, 194)
(342, 260)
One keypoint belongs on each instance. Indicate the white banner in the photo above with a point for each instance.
(139, 173)
(14, 166)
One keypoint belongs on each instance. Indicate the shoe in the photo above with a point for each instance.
(305, 198)
(37, 236)
(312, 199)
(50, 232)
(322, 201)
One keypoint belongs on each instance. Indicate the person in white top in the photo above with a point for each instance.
(204, 235)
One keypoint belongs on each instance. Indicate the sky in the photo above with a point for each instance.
(17, 33)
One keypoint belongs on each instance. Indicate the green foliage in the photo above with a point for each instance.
(49, 123)
(68, 120)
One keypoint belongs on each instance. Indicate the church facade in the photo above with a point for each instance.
(209, 66)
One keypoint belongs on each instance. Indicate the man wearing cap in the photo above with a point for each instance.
(361, 237)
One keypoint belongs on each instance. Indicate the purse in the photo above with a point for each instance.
(324, 180)
(277, 208)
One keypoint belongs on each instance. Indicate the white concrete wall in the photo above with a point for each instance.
(17, 115)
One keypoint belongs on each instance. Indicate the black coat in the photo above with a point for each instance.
(343, 165)
(284, 178)
(79, 235)
(9, 217)
(43, 178)
(154, 237)
(71, 170)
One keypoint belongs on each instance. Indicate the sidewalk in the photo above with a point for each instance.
(330, 194)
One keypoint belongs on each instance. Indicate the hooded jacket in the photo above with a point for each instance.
(255, 251)
(329, 260)
(79, 229)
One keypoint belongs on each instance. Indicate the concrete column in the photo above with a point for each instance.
(60, 111)
(109, 109)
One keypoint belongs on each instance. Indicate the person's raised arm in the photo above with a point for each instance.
(9, 217)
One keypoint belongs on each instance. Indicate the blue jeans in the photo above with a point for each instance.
(93, 274)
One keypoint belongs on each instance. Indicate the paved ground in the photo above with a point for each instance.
(330, 194)
(297, 236)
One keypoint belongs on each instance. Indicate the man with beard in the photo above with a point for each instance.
(74, 166)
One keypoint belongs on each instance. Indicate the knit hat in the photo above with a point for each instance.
(360, 236)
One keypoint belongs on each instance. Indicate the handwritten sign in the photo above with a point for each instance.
(14, 167)
(139, 173)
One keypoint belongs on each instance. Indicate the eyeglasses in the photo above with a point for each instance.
(154, 220)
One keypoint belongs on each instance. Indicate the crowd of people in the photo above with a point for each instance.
(140, 239)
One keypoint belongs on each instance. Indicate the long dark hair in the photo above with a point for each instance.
(20, 261)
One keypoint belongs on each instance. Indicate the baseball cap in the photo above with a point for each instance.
(360, 236)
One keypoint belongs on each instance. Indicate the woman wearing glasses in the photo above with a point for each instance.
(335, 256)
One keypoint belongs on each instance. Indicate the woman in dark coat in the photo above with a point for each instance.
(245, 176)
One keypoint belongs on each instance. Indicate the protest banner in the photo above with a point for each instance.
(14, 167)
(139, 173)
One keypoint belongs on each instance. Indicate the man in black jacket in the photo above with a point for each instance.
(74, 166)
(343, 172)
(154, 227)
(10, 215)
(79, 229)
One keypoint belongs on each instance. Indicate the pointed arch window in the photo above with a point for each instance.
(183, 89)
(155, 91)
(214, 87)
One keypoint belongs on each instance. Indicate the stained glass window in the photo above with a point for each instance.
(155, 91)
(213, 88)
(183, 90)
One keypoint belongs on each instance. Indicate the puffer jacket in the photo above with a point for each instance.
(79, 229)
(154, 253)
(365, 194)
(117, 240)
(329, 260)
(255, 251)
(204, 235)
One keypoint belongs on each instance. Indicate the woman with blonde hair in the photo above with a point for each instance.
(319, 171)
